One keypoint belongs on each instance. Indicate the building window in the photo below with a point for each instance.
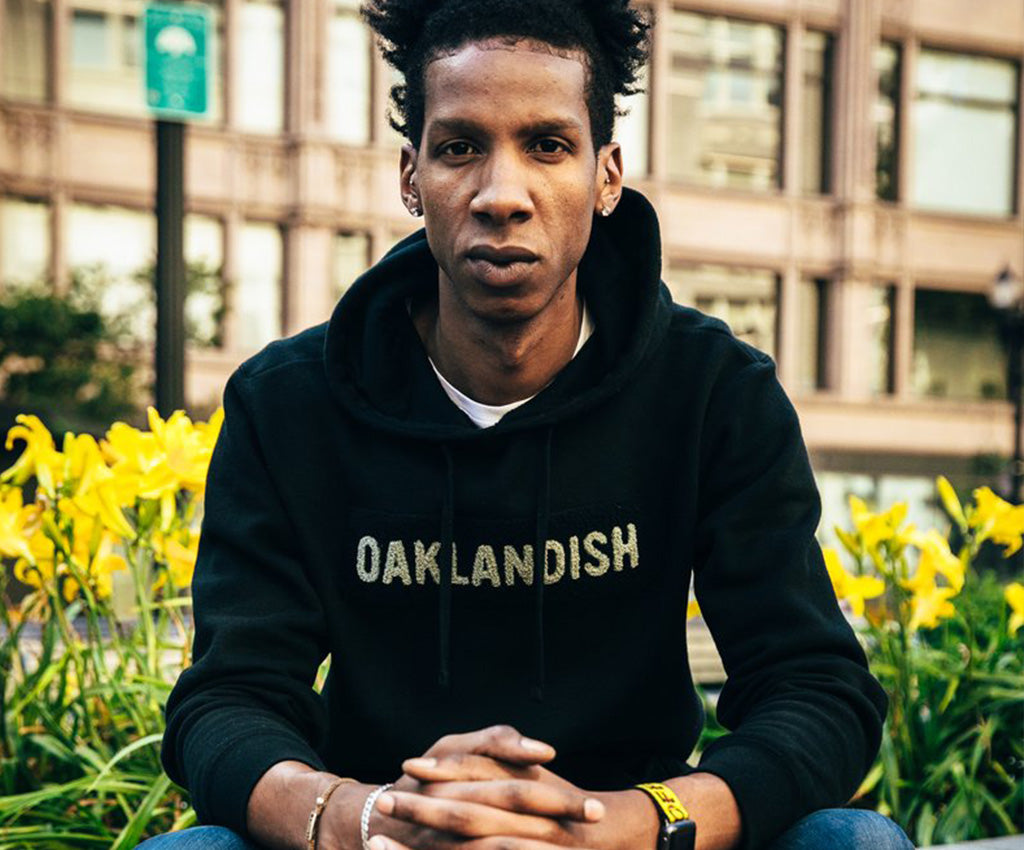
(632, 130)
(259, 84)
(965, 118)
(816, 139)
(204, 301)
(887, 121)
(24, 242)
(725, 116)
(812, 308)
(746, 299)
(351, 259)
(111, 252)
(257, 297)
(349, 71)
(26, 48)
(105, 72)
(880, 362)
(957, 352)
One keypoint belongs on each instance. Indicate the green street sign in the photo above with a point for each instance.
(177, 56)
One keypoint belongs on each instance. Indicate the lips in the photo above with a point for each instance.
(500, 266)
(505, 254)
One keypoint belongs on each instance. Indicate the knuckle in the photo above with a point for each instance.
(504, 730)
(516, 795)
(459, 821)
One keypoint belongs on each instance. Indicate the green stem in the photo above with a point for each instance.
(145, 618)
(71, 641)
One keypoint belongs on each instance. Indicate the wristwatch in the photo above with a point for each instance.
(677, 831)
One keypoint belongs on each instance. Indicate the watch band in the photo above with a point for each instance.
(666, 800)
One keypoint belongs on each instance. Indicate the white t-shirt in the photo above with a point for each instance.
(486, 415)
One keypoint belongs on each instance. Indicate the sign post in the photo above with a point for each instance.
(176, 54)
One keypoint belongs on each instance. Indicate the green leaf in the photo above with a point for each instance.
(123, 753)
(132, 831)
(925, 826)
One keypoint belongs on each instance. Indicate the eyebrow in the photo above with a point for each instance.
(534, 128)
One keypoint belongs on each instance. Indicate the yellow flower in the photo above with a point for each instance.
(100, 496)
(950, 501)
(877, 528)
(692, 609)
(186, 450)
(997, 520)
(173, 455)
(15, 519)
(179, 558)
(929, 606)
(936, 559)
(854, 589)
(1014, 593)
(39, 456)
(37, 569)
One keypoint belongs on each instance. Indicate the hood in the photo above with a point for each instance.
(377, 367)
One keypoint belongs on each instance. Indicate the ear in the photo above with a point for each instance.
(407, 180)
(609, 178)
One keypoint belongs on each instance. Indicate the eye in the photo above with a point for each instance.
(457, 149)
(550, 147)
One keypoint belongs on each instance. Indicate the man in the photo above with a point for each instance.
(483, 487)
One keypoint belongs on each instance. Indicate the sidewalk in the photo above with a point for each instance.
(1010, 842)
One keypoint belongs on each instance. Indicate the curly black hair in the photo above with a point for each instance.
(613, 37)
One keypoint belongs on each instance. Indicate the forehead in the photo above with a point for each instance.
(495, 82)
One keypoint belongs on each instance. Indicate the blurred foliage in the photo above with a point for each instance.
(206, 287)
(78, 363)
(60, 356)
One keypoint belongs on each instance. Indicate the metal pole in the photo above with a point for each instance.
(169, 361)
(1016, 350)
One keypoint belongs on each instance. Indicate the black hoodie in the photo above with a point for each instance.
(352, 509)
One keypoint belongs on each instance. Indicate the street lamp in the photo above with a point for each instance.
(1007, 298)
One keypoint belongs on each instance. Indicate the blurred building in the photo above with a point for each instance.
(839, 179)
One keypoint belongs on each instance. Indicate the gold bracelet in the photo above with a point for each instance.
(314, 816)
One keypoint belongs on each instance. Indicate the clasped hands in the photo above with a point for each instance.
(489, 790)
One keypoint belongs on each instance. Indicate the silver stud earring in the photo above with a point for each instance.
(606, 211)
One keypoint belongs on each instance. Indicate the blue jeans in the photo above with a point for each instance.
(830, 829)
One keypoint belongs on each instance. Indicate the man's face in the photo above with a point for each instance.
(507, 175)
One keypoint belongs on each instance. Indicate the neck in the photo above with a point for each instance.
(500, 362)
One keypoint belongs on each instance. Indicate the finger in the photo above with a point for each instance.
(471, 820)
(463, 766)
(525, 797)
(501, 742)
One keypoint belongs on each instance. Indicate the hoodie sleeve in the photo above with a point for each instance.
(247, 701)
(804, 712)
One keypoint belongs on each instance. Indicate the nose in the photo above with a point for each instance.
(503, 194)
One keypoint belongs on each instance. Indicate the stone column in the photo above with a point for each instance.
(857, 85)
(307, 270)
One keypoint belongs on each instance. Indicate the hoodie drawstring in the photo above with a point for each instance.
(540, 559)
(444, 610)
(447, 560)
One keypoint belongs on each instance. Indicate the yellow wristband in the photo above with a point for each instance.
(666, 800)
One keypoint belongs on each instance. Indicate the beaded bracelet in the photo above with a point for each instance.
(314, 816)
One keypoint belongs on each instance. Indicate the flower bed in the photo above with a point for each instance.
(105, 535)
